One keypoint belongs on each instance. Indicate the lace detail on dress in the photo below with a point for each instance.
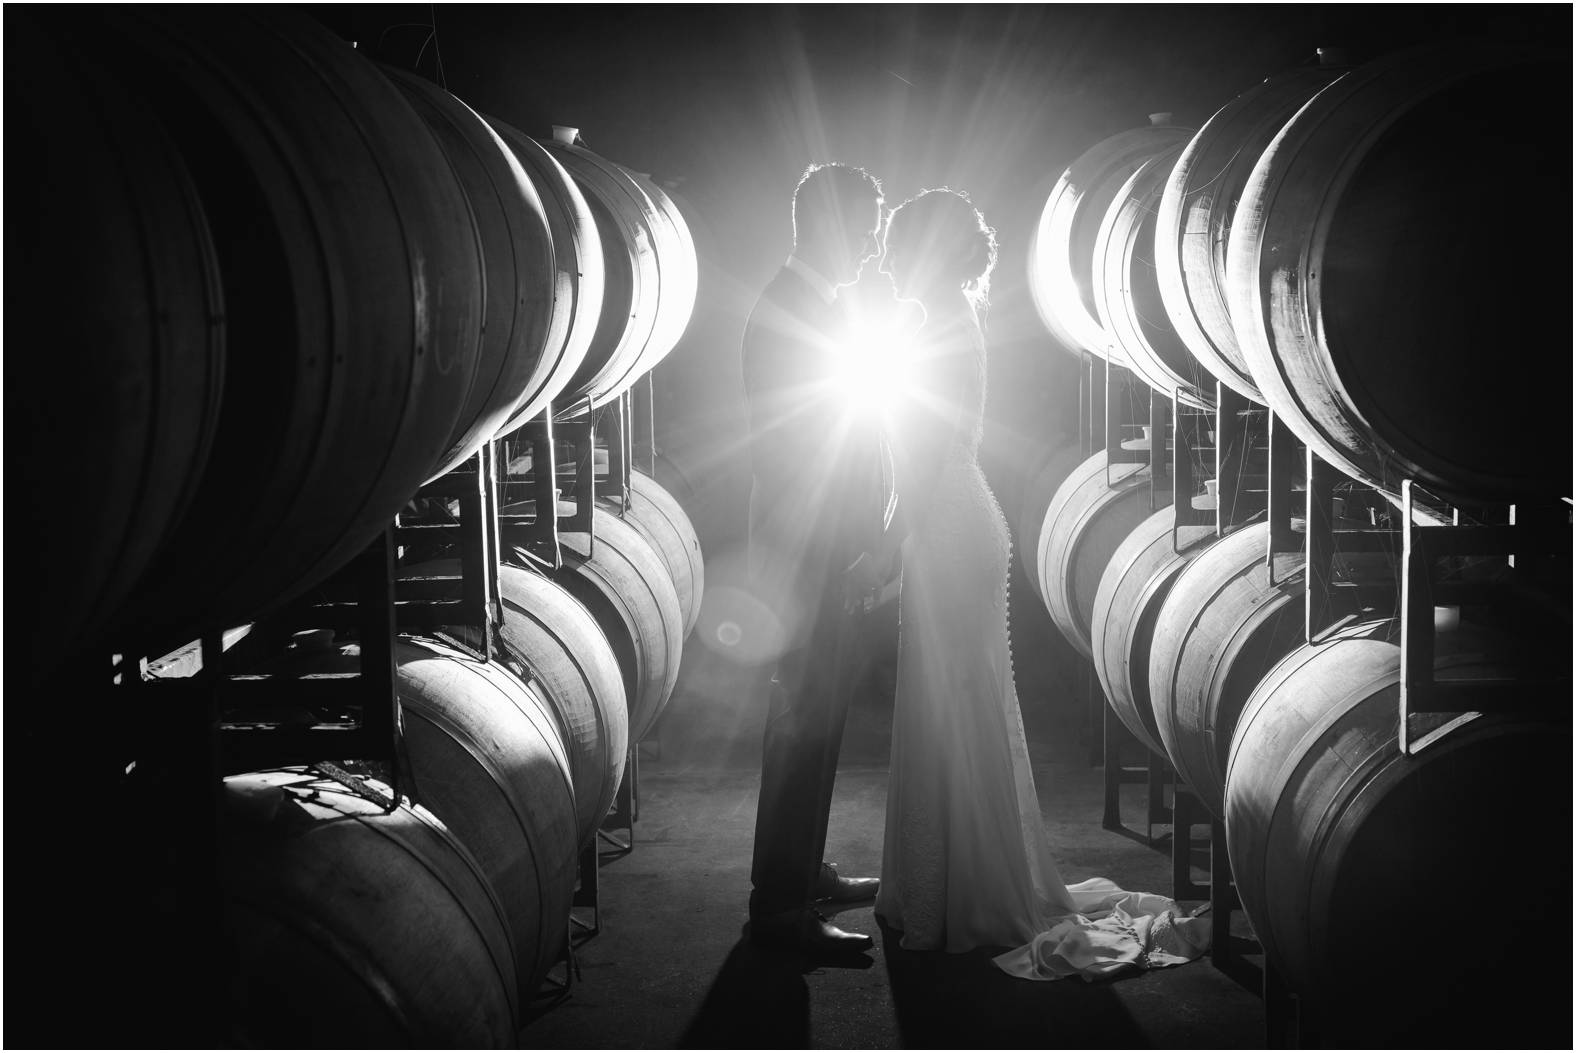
(1006, 593)
(972, 399)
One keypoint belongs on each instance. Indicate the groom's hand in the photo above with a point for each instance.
(887, 557)
(862, 582)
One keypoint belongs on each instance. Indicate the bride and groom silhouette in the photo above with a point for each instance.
(841, 497)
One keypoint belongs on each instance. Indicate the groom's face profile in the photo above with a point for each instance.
(837, 220)
(846, 239)
(861, 238)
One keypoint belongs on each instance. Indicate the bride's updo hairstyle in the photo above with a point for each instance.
(941, 238)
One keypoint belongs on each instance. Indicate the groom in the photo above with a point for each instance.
(822, 495)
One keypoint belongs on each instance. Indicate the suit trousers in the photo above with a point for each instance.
(810, 692)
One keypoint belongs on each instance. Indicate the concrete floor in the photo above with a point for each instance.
(671, 968)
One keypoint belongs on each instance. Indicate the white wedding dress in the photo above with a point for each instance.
(966, 861)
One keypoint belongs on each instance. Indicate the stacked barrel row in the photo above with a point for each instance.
(276, 288)
(272, 289)
(1322, 247)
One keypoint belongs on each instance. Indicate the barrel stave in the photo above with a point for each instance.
(661, 520)
(1193, 225)
(1061, 253)
(352, 291)
(551, 642)
(1355, 291)
(365, 901)
(1049, 472)
(1127, 293)
(635, 235)
(620, 578)
(579, 272)
(1337, 841)
(1086, 521)
(1132, 592)
(512, 231)
(1226, 622)
(119, 368)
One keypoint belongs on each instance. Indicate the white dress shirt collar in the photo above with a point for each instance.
(813, 277)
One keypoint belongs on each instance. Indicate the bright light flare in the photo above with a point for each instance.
(872, 368)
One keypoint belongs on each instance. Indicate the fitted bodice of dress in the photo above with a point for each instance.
(953, 350)
(958, 523)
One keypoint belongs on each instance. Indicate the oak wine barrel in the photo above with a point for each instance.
(635, 235)
(352, 927)
(1041, 482)
(551, 643)
(680, 275)
(1225, 623)
(1372, 878)
(1193, 225)
(116, 371)
(580, 277)
(661, 520)
(1126, 614)
(1061, 252)
(513, 364)
(1093, 511)
(352, 283)
(621, 580)
(1127, 293)
(1376, 289)
(487, 758)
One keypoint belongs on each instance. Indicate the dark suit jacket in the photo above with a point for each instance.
(822, 488)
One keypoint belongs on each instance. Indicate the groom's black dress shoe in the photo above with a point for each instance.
(806, 930)
(832, 887)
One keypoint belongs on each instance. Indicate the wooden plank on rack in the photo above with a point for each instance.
(186, 660)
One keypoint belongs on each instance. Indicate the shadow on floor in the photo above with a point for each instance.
(758, 1000)
(672, 969)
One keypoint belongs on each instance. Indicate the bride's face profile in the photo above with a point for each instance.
(930, 240)
(894, 266)
(912, 270)
(916, 276)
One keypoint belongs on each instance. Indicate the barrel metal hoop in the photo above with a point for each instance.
(505, 970)
(500, 778)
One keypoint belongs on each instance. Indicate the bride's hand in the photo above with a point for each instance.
(870, 574)
(865, 575)
(888, 556)
(862, 583)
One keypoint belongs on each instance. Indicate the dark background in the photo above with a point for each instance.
(725, 105)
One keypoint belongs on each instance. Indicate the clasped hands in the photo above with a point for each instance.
(867, 575)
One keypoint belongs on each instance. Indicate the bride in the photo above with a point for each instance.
(966, 861)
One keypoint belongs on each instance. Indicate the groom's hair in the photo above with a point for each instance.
(833, 192)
